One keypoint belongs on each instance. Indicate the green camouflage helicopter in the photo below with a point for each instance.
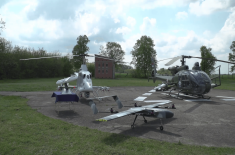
(193, 82)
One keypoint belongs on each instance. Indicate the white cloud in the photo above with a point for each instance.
(123, 30)
(181, 15)
(223, 39)
(116, 20)
(147, 24)
(147, 4)
(207, 7)
(207, 34)
(131, 21)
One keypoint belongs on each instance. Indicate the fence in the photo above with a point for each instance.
(228, 76)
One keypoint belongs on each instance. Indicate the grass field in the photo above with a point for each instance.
(48, 84)
(25, 131)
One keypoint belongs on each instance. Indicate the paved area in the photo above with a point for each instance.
(208, 123)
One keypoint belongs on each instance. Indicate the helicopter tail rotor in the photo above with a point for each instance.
(154, 71)
(119, 103)
(93, 107)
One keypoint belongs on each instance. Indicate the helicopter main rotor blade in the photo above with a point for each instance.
(103, 57)
(58, 57)
(42, 58)
(164, 59)
(173, 60)
(213, 59)
(81, 55)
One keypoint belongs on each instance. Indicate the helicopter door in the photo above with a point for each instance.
(184, 81)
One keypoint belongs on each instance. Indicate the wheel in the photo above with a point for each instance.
(132, 126)
(145, 121)
(161, 128)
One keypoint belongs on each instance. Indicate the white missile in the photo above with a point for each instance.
(160, 86)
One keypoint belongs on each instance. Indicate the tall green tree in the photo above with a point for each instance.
(232, 55)
(142, 52)
(114, 51)
(80, 48)
(207, 65)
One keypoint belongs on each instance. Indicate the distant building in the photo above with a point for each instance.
(104, 67)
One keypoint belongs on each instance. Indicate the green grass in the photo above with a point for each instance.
(49, 84)
(227, 82)
(25, 131)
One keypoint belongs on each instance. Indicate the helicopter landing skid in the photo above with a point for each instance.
(206, 97)
(175, 95)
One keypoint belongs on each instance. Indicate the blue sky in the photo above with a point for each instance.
(178, 27)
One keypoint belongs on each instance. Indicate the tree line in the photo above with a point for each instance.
(12, 68)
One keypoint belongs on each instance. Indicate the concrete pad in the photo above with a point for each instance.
(228, 99)
(198, 100)
(157, 101)
(147, 94)
(140, 98)
(198, 123)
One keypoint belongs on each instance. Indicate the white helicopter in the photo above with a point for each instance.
(84, 85)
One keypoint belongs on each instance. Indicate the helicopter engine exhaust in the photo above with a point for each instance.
(176, 69)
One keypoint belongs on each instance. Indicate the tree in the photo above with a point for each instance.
(2, 25)
(232, 55)
(206, 64)
(141, 55)
(114, 51)
(91, 68)
(80, 48)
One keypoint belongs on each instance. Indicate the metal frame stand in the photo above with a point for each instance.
(132, 126)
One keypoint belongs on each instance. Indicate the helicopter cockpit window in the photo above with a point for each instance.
(88, 76)
(200, 76)
(84, 75)
(205, 76)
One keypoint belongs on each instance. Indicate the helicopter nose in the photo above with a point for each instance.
(88, 86)
(169, 114)
(201, 88)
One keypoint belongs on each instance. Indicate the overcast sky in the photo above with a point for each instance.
(178, 27)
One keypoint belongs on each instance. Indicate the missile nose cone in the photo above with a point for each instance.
(169, 114)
